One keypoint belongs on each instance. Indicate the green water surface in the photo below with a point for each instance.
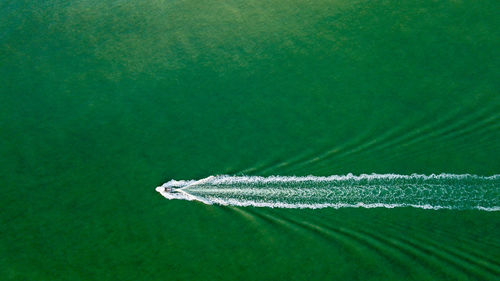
(102, 101)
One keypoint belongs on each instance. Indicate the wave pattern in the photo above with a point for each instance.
(443, 191)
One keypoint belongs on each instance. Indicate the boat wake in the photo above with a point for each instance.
(443, 191)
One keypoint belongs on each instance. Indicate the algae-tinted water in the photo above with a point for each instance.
(102, 101)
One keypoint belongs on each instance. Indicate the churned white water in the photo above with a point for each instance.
(436, 191)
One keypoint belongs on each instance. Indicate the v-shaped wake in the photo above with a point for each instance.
(443, 191)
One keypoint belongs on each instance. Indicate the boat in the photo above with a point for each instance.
(166, 190)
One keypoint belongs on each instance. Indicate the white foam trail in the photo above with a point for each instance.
(435, 191)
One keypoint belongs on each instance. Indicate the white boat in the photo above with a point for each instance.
(166, 191)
